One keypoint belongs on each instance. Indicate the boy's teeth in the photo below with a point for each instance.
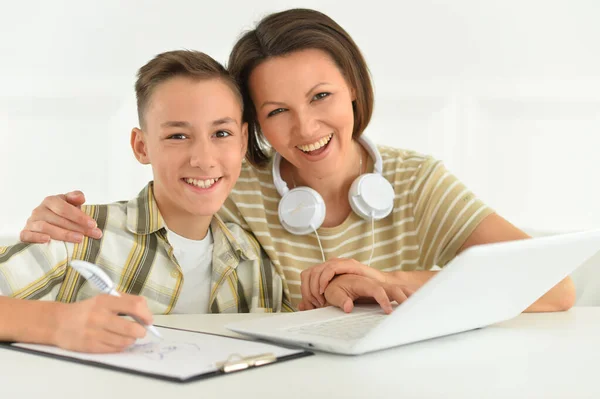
(202, 183)
(317, 145)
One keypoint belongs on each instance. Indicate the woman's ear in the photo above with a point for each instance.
(139, 147)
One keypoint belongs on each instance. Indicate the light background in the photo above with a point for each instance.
(507, 93)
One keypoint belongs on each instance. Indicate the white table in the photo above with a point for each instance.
(533, 356)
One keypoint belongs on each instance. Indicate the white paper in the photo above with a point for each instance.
(181, 354)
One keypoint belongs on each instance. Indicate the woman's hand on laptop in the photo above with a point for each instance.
(315, 280)
(59, 217)
(343, 290)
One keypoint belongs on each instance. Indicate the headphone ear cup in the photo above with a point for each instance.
(371, 196)
(301, 210)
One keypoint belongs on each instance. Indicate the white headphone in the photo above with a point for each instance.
(302, 209)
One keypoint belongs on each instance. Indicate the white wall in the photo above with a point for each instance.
(506, 92)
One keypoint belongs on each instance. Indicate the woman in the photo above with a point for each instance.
(309, 96)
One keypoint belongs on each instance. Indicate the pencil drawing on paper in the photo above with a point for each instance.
(160, 350)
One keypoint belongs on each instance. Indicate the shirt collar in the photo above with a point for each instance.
(143, 218)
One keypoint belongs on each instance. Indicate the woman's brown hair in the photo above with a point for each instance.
(289, 31)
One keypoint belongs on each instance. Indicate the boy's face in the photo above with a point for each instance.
(195, 141)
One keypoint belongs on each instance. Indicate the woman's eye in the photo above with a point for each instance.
(222, 134)
(320, 96)
(177, 136)
(275, 112)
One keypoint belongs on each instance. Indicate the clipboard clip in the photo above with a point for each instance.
(236, 362)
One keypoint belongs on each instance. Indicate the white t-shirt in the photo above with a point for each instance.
(195, 259)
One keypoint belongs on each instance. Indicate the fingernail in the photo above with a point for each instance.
(92, 224)
(97, 233)
(76, 237)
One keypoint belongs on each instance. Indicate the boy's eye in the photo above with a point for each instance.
(320, 96)
(177, 136)
(222, 134)
(275, 112)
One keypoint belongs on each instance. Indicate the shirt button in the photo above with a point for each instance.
(174, 273)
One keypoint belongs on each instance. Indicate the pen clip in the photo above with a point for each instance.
(236, 362)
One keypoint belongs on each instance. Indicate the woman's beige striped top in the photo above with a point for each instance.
(433, 215)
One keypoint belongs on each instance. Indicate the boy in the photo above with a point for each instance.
(166, 250)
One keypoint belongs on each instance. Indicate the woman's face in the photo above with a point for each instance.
(304, 108)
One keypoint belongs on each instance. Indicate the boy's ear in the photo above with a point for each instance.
(138, 145)
(244, 139)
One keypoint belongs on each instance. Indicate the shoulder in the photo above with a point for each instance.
(252, 187)
(252, 174)
(403, 164)
(112, 214)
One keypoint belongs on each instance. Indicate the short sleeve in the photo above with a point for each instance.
(446, 212)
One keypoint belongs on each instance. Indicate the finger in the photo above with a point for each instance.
(33, 237)
(305, 288)
(369, 288)
(95, 341)
(397, 294)
(337, 268)
(114, 342)
(96, 347)
(314, 287)
(339, 297)
(75, 198)
(305, 305)
(125, 328)
(66, 224)
(61, 207)
(382, 298)
(55, 232)
(130, 305)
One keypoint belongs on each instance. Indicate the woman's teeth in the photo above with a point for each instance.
(315, 146)
(202, 183)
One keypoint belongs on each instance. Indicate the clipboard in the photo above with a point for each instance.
(245, 355)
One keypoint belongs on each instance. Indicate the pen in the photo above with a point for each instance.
(95, 275)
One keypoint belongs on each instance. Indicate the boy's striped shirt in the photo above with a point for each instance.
(135, 253)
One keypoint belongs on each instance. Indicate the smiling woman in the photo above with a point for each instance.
(308, 94)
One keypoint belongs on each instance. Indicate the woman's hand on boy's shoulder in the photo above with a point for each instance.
(59, 217)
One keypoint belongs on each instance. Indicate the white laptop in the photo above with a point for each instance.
(485, 284)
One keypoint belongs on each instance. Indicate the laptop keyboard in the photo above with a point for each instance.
(349, 327)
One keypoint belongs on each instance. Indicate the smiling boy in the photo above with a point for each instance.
(166, 250)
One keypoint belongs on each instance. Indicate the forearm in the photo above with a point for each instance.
(560, 298)
(414, 279)
(28, 320)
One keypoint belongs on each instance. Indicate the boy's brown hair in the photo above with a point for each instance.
(186, 63)
(294, 30)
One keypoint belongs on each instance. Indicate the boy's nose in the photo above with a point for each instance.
(202, 156)
(202, 161)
